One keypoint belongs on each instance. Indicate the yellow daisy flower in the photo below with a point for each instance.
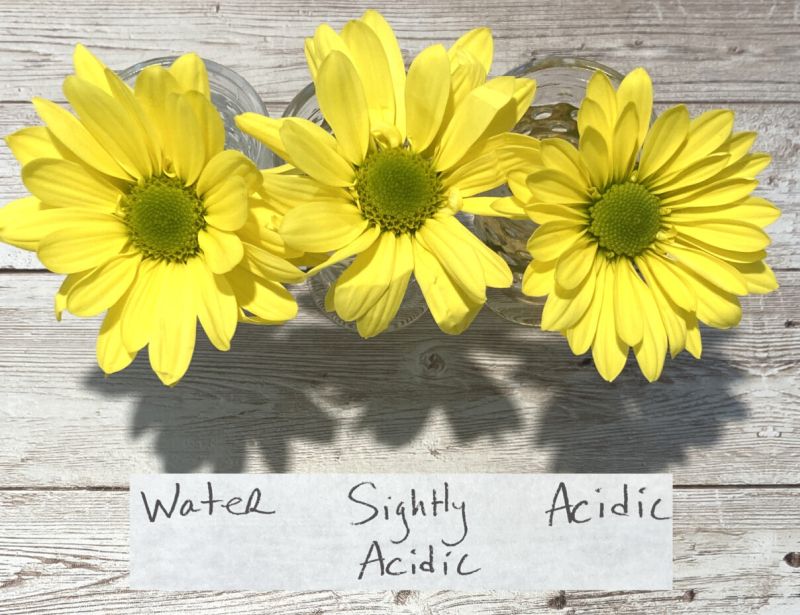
(644, 231)
(137, 201)
(408, 151)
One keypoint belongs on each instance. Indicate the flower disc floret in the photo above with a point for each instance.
(163, 218)
(398, 190)
(626, 219)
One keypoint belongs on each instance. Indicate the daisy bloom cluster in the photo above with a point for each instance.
(645, 231)
(408, 151)
(153, 222)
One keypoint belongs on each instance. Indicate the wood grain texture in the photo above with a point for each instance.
(728, 558)
(308, 396)
(705, 50)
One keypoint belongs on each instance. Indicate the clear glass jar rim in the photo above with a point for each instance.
(550, 62)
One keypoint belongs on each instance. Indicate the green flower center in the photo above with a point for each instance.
(398, 190)
(163, 218)
(626, 219)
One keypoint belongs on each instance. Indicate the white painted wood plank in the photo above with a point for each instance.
(66, 552)
(309, 397)
(777, 126)
(697, 49)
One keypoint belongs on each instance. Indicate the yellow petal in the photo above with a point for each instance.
(759, 277)
(450, 307)
(25, 221)
(562, 155)
(226, 204)
(184, 141)
(112, 355)
(542, 213)
(225, 164)
(269, 266)
(154, 85)
(506, 207)
(103, 287)
(582, 334)
(716, 271)
(141, 305)
(456, 257)
(551, 240)
(427, 93)
(726, 234)
(30, 143)
(380, 315)
(625, 144)
(137, 119)
(173, 338)
(344, 105)
(89, 67)
(322, 227)
(629, 316)
(314, 152)
(596, 153)
(394, 57)
(707, 132)
(109, 123)
(725, 192)
(366, 280)
(576, 262)
(369, 58)
(324, 42)
(592, 115)
(665, 138)
(651, 350)
(356, 246)
(291, 190)
(60, 300)
(637, 88)
(694, 344)
(673, 318)
(539, 278)
(211, 125)
(715, 307)
(222, 250)
(554, 186)
(689, 178)
(600, 90)
(61, 183)
(191, 74)
(265, 129)
(479, 44)
(608, 350)
(90, 241)
(67, 129)
(215, 303)
(476, 176)
(666, 273)
(270, 302)
(484, 113)
(565, 308)
(496, 271)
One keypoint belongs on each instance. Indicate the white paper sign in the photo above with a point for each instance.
(518, 532)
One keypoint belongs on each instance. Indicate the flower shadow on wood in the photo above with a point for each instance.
(518, 396)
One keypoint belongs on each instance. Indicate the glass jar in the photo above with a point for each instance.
(231, 94)
(560, 88)
(413, 306)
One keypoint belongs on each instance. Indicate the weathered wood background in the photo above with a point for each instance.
(311, 397)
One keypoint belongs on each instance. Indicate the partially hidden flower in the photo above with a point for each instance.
(644, 231)
(408, 151)
(152, 220)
